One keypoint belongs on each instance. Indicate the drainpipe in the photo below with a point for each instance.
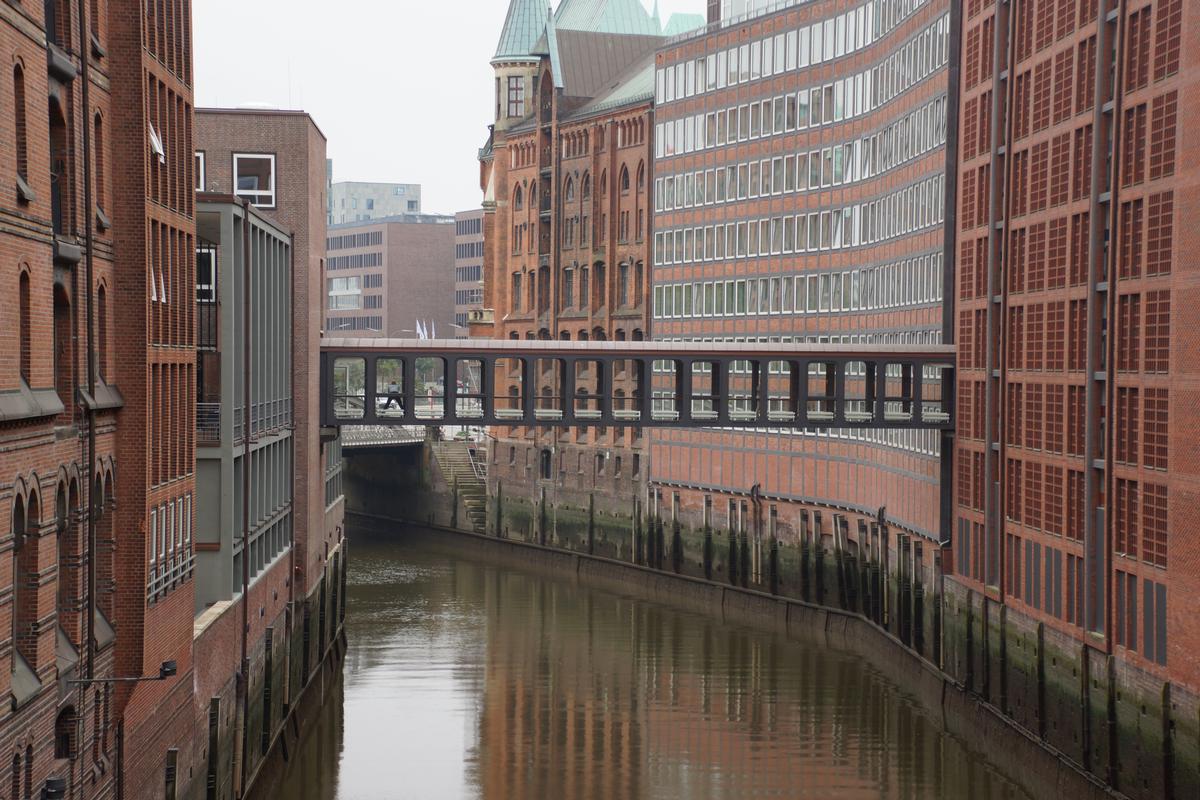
(291, 583)
(91, 343)
(90, 411)
(244, 682)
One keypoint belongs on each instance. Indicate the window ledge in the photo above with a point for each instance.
(60, 64)
(103, 630)
(102, 220)
(107, 397)
(25, 403)
(25, 193)
(97, 49)
(66, 252)
(25, 683)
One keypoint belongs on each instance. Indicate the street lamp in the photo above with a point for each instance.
(165, 670)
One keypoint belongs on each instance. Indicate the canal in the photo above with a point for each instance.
(464, 679)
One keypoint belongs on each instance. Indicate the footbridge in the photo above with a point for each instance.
(408, 382)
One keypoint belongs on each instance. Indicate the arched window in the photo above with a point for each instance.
(61, 196)
(64, 733)
(641, 177)
(64, 348)
(24, 313)
(547, 462)
(18, 529)
(98, 150)
(569, 189)
(518, 199)
(19, 119)
(624, 180)
(586, 189)
(102, 333)
(604, 183)
(16, 775)
(29, 772)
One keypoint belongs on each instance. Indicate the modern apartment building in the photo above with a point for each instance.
(468, 268)
(799, 187)
(360, 201)
(391, 277)
(567, 177)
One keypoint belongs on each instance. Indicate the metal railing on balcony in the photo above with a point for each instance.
(208, 423)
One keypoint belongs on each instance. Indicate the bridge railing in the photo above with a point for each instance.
(583, 384)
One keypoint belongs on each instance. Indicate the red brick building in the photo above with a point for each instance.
(799, 185)
(1076, 469)
(97, 260)
(567, 178)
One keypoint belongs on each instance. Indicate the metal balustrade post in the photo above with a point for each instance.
(906, 388)
(645, 378)
(794, 389)
(683, 390)
(370, 407)
(487, 403)
(918, 383)
(839, 391)
(762, 388)
(802, 368)
(528, 388)
(408, 387)
(568, 390)
(603, 391)
(879, 406)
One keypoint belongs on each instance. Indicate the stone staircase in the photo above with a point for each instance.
(461, 466)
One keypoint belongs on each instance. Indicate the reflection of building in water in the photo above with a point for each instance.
(588, 695)
(561, 714)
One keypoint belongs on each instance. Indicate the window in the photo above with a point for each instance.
(98, 149)
(516, 97)
(19, 119)
(345, 293)
(254, 178)
(24, 312)
(201, 178)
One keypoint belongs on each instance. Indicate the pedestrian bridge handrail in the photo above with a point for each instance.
(558, 383)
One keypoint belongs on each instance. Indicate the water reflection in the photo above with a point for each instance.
(468, 680)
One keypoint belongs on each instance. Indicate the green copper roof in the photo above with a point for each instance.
(682, 23)
(606, 16)
(522, 28)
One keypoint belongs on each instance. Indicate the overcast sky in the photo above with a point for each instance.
(401, 88)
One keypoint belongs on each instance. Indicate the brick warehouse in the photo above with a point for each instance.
(59, 365)
(567, 176)
(100, 581)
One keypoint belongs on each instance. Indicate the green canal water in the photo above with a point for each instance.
(464, 679)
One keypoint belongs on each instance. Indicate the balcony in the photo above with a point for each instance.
(208, 424)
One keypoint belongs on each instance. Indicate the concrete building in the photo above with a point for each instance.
(360, 201)
(799, 188)
(270, 167)
(468, 268)
(227, 369)
(566, 179)
(385, 276)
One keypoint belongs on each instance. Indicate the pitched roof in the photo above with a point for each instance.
(522, 28)
(682, 23)
(606, 16)
(590, 62)
(634, 85)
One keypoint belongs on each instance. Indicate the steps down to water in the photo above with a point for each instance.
(464, 464)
